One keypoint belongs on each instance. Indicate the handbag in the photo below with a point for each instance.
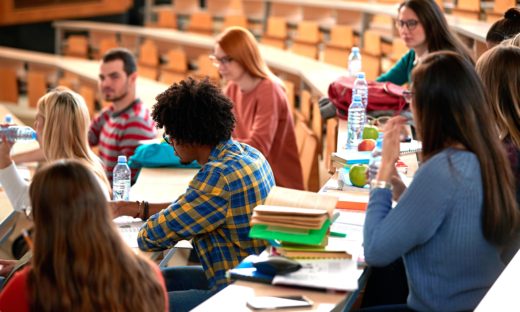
(382, 96)
(12, 243)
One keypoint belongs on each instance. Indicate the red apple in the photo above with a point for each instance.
(358, 175)
(366, 145)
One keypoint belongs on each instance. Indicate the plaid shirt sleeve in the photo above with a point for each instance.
(201, 209)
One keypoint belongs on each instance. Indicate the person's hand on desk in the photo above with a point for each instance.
(6, 266)
(123, 208)
(5, 152)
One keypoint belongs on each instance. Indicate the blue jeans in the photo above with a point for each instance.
(187, 287)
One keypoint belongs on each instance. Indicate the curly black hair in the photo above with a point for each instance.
(194, 112)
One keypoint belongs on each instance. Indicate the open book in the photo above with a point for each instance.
(293, 216)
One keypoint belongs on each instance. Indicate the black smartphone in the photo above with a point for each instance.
(272, 302)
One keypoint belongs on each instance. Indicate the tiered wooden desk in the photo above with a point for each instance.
(86, 70)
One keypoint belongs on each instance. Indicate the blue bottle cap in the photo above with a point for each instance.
(361, 75)
(355, 49)
(121, 159)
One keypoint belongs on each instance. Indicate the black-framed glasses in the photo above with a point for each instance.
(410, 24)
(167, 138)
(408, 95)
(217, 61)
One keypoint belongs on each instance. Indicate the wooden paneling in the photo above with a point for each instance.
(8, 86)
(9, 14)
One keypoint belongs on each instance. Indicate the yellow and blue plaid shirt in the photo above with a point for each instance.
(216, 211)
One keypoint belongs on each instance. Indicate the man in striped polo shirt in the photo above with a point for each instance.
(119, 128)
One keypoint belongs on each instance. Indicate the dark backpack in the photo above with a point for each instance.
(382, 96)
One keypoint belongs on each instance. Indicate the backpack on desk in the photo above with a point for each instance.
(382, 96)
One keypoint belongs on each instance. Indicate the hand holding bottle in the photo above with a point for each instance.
(5, 149)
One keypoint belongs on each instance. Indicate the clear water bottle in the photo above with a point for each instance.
(354, 62)
(375, 163)
(361, 88)
(17, 133)
(356, 122)
(121, 179)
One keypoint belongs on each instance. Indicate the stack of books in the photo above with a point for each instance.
(293, 216)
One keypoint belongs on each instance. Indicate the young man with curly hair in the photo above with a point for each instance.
(216, 209)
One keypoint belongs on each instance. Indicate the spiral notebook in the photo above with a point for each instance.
(412, 147)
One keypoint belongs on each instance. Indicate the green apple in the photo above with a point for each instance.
(358, 175)
(370, 132)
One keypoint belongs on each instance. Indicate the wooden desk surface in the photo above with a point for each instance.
(147, 89)
(317, 74)
(234, 297)
(503, 295)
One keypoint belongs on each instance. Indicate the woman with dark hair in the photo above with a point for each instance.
(423, 28)
(80, 262)
(504, 28)
(453, 221)
(263, 117)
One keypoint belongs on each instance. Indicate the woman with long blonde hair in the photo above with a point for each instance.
(80, 262)
(62, 124)
(261, 108)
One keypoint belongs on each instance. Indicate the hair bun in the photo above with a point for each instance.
(512, 13)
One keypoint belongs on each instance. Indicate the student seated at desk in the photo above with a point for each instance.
(263, 116)
(215, 212)
(80, 262)
(424, 29)
(505, 28)
(499, 69)
(450, 226)
(62, 125)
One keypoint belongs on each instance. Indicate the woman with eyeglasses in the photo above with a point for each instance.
(451, 225)
(423, 28)
(261, 108)
(62, 124)
(80, 262)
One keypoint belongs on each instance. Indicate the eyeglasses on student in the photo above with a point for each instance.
(410, 24)
(218, 61)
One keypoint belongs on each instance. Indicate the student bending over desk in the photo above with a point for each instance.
(450, 226)
(216, 209)
(424, 29)
(80, 262)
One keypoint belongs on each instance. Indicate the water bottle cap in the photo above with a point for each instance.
(34, 136)
(8, 119)
(356, 98)
(355, 49)
(361, 75)
(121, 159)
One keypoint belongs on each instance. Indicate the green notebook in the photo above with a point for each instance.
(291, 235)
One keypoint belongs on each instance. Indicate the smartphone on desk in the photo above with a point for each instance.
(273, 303)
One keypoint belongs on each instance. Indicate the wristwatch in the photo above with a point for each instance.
(380, 184)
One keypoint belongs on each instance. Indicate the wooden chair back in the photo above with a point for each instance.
(77, 46)
(331, 140)
(309, 158)
(201, 23)
(36, 86)
(317, 125)
(167, 19)
(235, 20)
(9, 85)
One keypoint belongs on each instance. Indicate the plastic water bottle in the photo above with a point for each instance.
(375, 163)
(356, 122)
(361, 88)
(121, 179)
(17, 133)
(354, 61)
